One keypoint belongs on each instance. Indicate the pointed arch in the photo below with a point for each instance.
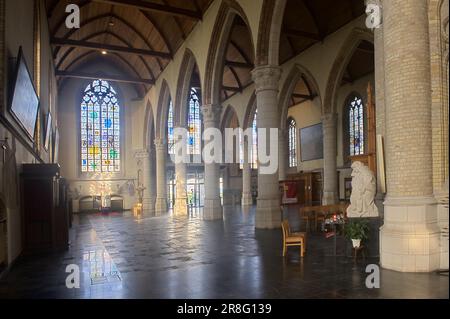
(217, 50)
(230, 111)
(356, 36)
(297, 72)
(162, 111)
(250, 110)
(267, 51)
(188, 64)
(149, 127)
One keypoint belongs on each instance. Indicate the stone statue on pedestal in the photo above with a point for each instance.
(364, 188)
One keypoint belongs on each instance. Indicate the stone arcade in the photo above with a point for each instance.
(97, 185)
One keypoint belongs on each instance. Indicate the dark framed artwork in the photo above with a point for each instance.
(311, 142)
(24, 102)
(48, 131)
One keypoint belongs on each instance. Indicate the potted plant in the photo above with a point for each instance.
(357, 230)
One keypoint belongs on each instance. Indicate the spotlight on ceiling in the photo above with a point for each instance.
(104, 52)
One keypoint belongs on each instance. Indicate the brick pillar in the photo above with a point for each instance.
(330, 182)
(213, 207)
(380, 112)
(266, 80)
(161, 183)
(409, 238)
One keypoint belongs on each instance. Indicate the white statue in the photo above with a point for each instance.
(364, 188)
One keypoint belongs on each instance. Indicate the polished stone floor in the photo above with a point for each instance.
(122, 256)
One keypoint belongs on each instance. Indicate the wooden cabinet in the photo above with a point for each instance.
(44, 205)
(309, 187)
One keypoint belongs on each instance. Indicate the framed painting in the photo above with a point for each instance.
(311, 142)
(24, 101)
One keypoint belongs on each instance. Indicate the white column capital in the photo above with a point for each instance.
(211, 113)
(266, 77)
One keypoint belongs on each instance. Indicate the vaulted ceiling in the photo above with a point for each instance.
(307, 22)
(139, 37)
(239, 60)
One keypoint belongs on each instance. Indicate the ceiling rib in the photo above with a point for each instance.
(66, 54)
(302, 34)
(242, 65)
(108, 47)
(95, 76)
(151, 6)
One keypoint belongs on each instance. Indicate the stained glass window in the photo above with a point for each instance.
(356, 126)
(292, 142)
(170, 139)
(194, 123)
(254, 153)
(100, 129)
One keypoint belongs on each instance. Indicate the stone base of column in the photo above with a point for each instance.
(409, 238)
(329, 198)
(247, 199)
(180, 207)
(212, 209)
(268, 213)
(160, 206)
(148, 205)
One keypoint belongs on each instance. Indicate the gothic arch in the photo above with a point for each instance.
(183, 87)
(217, 50)
(250, 110)
(296, 73)
(337, 71)
(267, 51)
(162, 109)
(149, 127)
(227, 115)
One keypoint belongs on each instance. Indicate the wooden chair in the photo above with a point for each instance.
(293, 239)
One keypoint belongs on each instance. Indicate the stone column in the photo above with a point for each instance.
(283, 157)
(247, 199)
(148, 202)
(151, 185)
(380, 112)
(161, 183)
(213, 207)
(180, 206)
(266, 78)
(409, 238)
(227, 191)
(330, 182)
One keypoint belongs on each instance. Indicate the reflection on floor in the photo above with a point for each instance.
(121, 256)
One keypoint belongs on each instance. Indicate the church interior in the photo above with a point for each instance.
(348, 99)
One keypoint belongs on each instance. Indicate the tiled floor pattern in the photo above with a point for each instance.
(121, 256)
